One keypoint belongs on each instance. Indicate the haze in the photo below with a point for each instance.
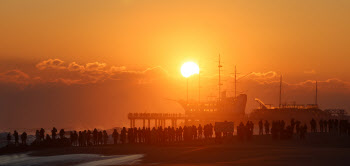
(88, 63)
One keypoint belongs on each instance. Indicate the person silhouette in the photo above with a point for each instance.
(261, 132)
(24, 138)
(267, 127)
(105, 137)
(123, 135)
(88, 137)
(292, 124)
(94, 136)
(200, 131)
(15, 134)
(53, 133)
(48, 138)
(37, 135)
(8, 138)
(99, 138)
(62, 133)
(42, 134)
(115, 136)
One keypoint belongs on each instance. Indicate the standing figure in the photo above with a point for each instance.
(267, 127)
(24, 138)
(261, 132)
(115, 136)
(53, 133)
(8, 138)
(62, 133)
(105, 137)
(15, 134)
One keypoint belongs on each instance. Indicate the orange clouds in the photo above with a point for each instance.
(57, 71)
(51, 64)
(14, 76)
(75, 67)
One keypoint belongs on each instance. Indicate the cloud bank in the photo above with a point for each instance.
(71, 94)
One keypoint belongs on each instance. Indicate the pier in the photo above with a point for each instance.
(159, 118)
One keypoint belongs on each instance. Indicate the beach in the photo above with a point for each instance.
(317, 149)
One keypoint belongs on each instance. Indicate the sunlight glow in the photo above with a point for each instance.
(189, 68)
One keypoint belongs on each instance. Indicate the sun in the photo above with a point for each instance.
(189, 68)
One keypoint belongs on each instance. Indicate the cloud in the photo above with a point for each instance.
(76, 67)
(114, 69)
(51, 64)
(55, 71)
(14, 76)
(95, 66)
(261, 76)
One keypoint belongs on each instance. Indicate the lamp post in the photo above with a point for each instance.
(187, 89)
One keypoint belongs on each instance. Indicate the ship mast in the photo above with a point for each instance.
(316, 96)
(219, 66)
(199, 86)
(235, 82)
(280, 102)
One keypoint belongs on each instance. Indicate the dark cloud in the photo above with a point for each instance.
(15, 76)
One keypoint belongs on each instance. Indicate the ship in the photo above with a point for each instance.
(225, 109)
(300, 112)
(232, 109)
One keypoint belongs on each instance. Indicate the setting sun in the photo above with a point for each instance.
(189, 68)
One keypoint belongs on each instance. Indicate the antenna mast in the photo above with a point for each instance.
(199, 86)
(280, 92)
(316, 95)
(235, 81)
(220, 66)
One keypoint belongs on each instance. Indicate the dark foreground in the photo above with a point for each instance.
(261, 150)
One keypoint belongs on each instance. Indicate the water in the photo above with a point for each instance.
(71, 159)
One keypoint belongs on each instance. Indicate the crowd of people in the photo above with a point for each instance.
(160, 135)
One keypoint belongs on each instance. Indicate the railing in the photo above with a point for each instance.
(155, 116)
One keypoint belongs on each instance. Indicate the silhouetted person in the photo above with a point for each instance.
(99, 138)
(321, 125)
(123, 135)
(80, 138)
(15, 134)
(37, 135)
(261, 132)
(267, 127)
(42, 134)
(71, 137)
(53, 133)
(325, 125)
(24, 138)
(303, 130)
(200, 131)
(240, 131)
(48, 139)
(62, 133)
(105, 137)
(8, 138)
(292, 124)
(297, 127)
(94, 136)
(88, 138)
(75, 138)
(313, 125)
(115, 136)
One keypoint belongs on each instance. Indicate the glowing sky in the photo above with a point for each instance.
(55, 52)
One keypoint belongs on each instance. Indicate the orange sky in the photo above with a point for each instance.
(113, 42)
